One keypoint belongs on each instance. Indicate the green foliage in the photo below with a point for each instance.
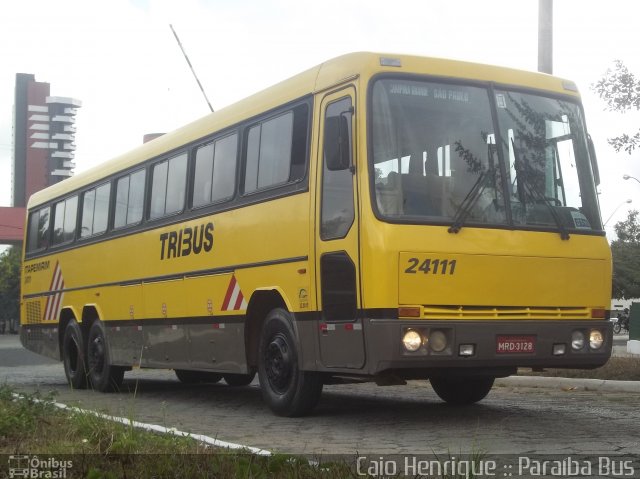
(628, 231)
(103, 449)
(626, 258)
(22, 416)
(10, 284)
(620, 89)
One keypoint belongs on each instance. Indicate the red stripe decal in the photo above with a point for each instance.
(227, 297)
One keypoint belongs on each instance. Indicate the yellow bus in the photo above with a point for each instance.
(377, 217)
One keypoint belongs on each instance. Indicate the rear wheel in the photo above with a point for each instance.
(286, 389)
(194, 377)
(617, 328)
(104, 376)
(238, 380)
(462, 390)
(73, 356)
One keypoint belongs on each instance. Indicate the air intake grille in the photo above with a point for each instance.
(503, 312)
(34, 315)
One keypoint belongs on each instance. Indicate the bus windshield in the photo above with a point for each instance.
(437, 157)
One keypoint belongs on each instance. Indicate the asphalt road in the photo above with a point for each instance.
(358, 419)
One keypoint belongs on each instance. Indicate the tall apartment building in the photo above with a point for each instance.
(44, 133)
(43, 148)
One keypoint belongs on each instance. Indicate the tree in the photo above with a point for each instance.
(10, 284)
(626, 258)
(620, 89)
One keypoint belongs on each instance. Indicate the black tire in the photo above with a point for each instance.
(73, 356)
(238, 380)
(461, 391)
(616, 328)
(286, 389)
(103, 375)
(195, 377)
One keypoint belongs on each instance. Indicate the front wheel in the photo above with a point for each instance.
(461, 391)
(616, 328)
(286, 389)
(104, 376)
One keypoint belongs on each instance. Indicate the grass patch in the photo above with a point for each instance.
(622, 369)
(99, 448)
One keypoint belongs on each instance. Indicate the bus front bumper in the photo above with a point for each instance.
(419, 348)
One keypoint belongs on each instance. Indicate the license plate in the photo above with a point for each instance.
(516, 345)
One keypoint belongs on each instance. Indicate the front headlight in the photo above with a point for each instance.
(438, 341)
(411, 340)
(596, 339)
(577, 340)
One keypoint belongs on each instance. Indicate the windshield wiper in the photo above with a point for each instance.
(470, 200)
(537, 195)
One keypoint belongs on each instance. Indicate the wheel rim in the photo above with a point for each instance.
(96, 355)
(278, 363)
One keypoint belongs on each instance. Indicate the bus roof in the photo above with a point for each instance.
(316, 79)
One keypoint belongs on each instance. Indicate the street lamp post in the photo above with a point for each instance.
(617, 208)
(627, 177)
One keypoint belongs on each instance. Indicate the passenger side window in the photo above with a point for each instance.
(95, 211)
(168, 187)
(215, 171)
(64, 223)
(276, 150)
(38, 233)
(129, 199)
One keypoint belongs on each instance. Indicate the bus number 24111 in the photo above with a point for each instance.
(433, 266)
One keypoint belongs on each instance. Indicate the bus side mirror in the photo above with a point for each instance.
(337, 148)
(594, 161)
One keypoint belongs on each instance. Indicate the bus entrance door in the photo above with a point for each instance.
(338, 272)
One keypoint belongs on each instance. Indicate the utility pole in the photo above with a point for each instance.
(545, 36)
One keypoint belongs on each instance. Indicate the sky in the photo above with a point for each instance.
(121, 60)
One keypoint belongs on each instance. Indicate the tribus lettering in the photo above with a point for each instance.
(175, 244)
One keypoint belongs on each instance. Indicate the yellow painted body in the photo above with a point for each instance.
(500, 274)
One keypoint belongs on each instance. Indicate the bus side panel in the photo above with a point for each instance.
(125, 343)
(218, 346)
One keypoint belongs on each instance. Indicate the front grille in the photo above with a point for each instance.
(504, 312)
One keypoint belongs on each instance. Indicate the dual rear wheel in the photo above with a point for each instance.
(90, 364)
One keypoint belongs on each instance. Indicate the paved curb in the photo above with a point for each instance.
(603, 385)
(201, 438)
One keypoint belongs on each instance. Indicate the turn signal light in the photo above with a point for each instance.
(409, 312)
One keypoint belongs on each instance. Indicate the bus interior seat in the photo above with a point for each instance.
(418, 199)
(388, 196)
